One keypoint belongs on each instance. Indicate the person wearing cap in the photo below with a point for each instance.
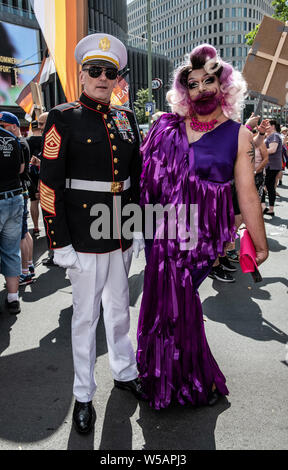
(90, 157)
(11, 209)
(28, 271)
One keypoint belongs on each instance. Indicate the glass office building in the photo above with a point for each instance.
(180, 25)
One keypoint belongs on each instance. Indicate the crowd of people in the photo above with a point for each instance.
(271, 160)
(19, 164)
(199, 154)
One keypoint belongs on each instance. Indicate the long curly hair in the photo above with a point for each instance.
(232, 84)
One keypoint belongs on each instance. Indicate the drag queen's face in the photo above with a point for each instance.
(204, 91)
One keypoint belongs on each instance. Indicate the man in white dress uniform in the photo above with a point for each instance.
(91, 157)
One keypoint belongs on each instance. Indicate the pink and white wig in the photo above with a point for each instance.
(232, 84)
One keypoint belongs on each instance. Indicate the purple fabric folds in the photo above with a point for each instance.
(173, 356)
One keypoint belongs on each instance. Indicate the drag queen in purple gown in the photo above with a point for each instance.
(189, 158)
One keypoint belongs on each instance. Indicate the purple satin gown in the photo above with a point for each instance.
(173, 356)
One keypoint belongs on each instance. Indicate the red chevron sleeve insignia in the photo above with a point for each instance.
(52, 144)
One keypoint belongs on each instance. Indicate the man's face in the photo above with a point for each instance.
(204, 91)
(271, 129)
(42, 122)
(99, 88)
(9, 127)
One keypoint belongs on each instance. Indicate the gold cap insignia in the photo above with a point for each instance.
(104, 44)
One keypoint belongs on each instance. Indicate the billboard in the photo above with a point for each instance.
(18, 46)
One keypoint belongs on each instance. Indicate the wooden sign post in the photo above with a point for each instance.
(36, 92)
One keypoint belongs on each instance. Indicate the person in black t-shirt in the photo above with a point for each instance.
(35, 144)
(11, 210)
(28, 271)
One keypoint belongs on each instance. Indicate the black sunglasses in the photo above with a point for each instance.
(95, 72)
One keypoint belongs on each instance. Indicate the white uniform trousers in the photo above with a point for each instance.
(103, 277)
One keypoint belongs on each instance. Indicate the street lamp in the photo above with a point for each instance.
(149, 55)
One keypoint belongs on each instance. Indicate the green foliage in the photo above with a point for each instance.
(281, 13)
(281, 10)
(251, 36)
(139, 105)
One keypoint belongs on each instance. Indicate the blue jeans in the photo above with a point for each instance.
(25, 216)
(11, 215)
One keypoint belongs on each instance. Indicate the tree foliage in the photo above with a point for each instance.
(139, 105)
(281, 13)
(251, 36)
(281, 10)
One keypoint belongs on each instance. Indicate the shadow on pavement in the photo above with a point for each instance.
(275, 246)
(77, 441)
(36, 385)
(175, 428)
(35, 392)
(117, 428)
(39, 248)
(46, 284)
(276, 220)
(234, 306)
(136, 287)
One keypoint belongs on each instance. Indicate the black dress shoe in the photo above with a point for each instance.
(13, 307)
(133, 386)
(213, 397)
(84, 417)
(49, 261)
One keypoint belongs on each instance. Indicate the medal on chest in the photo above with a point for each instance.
(123, 126)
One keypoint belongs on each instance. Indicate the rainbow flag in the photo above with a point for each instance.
(25, 99)
(63, 23)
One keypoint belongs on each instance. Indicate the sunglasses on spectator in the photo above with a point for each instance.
(95, 72)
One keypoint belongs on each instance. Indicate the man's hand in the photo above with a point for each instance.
(261, 256)
(252, 121)
(138, 243)
(66, 257)
(35, 161)
(264, 126)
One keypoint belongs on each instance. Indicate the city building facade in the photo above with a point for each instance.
(179, 25)
(17, 19)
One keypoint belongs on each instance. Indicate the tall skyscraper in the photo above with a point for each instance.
(180, 25)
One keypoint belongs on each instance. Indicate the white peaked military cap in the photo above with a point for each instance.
(101, 46)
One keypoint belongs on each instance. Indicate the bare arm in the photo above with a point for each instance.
(272, 147)
(265, 158)
(248, 198)
(262, 129)
(22, 168)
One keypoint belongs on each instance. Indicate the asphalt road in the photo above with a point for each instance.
(247, 330)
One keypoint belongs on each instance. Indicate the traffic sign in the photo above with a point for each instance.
(156, 83)
(149, 108)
